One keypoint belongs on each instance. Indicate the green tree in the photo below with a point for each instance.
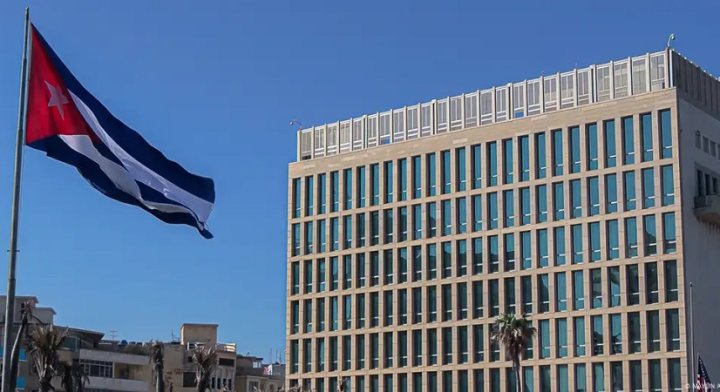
(515, 334)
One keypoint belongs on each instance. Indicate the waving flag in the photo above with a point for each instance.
(66, 122)
(703, 382)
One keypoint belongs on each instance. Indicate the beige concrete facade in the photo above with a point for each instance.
(643, 278)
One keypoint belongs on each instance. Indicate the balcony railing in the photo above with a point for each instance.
(584, 86)
(707, 208)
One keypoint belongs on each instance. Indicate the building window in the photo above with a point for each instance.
(558, 201)
(335, 204)
(578, 290)
(446, 259)
(417, 176)
(431, 179)
(492, 163)
(651, 282)
(646, 134)
(417, 221)
(431, 261)
(447, 340)
(347, 178)
(461, 218)
(525, 250)
(541, 203)
(296, 197)
(560, 292)
(309, 195)
(307, 316)
(574, 143)
(361, 186)
(494, 297)
(432, 346)
(562, 379)
(579, 337)
(295, 278)
(577, 243)
(561, 340)
(462, 301)
(614, 286)
(509, 256)
(597, 335)
(671, 281)
(593, 196)
(308, 237)
(347, 272)
(360, 230)
(591, 140)
(494, 255)
(559, 246)
(611, 196)
(648, 187)
(446, 179)
(542, 249)
(580, 377)
(667, 184)
(476, 166)
(615, 334)
(633, 284)
(509, 209)
(446, 302)
(669, 241)
(527, 294)
(543, 294)
(321, 275)
(653, 330)
(375, 184)
(402, 179)
(461, 251)
(477, 293)
(492, 211)
(655, 375)
(575, 199)
(634, 332)
(613, 239)
(631, 244)
(432, 304)
(431, 219)
(628, 141)
(674, 379)
(616, 376)
(594, 229)
(360, 265)
(557, 152)
(665, 134)
(460, 169)
(636, 376)
(388, 347)
(596, 288)
(347, 227)
(540, 156)
(610, 148)
(672, 323)
(508, 162)
(417, 263)
(509, 284)
(477, 257)
(477, 212)
(525, 206)
(649, 235)
(308, 276)
(629, 190)
(417, 305)
(544, 334)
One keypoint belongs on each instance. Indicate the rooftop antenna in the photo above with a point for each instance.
(670, 39)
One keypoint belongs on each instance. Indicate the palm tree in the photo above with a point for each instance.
(73, 377)
(205, 360)
(514, 333)
(45, 342)
(158, 362)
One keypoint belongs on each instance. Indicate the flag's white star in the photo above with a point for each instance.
(57, 99)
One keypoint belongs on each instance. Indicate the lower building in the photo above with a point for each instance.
(251, 375)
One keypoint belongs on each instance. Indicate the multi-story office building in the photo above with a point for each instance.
(587, 199)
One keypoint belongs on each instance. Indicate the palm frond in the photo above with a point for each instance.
(205, 360)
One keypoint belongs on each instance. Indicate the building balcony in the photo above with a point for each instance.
(116, 384)
(114, 357)
(707, 208)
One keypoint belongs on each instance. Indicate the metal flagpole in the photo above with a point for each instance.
(10, 300)
(693, 372)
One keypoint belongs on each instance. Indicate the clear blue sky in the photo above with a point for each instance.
(213, 84)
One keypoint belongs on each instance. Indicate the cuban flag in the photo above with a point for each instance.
(66, 122)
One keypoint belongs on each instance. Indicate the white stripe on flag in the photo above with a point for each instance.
(116, 173)
(138, 172)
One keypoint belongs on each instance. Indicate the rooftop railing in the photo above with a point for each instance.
(579, 87)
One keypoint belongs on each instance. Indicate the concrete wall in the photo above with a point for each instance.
(701, 240)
